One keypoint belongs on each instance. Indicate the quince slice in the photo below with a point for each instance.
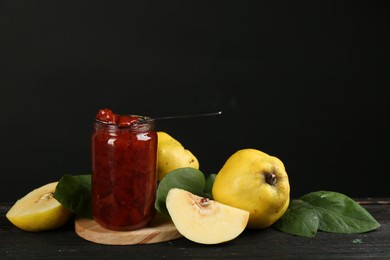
(202, 220)
(39, 210)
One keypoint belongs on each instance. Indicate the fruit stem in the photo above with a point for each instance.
(270, 178)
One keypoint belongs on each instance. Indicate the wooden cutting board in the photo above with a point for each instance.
(160, 230)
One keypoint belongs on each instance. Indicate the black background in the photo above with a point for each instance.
(303, 81)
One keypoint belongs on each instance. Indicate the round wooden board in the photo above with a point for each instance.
(158, 231)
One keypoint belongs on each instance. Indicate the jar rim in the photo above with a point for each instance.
(142, 121)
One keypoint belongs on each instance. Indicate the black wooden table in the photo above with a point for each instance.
(269, 243)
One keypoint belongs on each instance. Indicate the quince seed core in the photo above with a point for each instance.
(203, 202)
(47, 196)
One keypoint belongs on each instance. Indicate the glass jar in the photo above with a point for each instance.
(124, 178)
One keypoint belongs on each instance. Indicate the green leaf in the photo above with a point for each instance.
(326, 211)
(207, 192)
(300, 219)
(187, 178)
(339, 213)
(74, 193)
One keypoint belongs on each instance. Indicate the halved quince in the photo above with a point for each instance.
(39, 210)
(202, 220)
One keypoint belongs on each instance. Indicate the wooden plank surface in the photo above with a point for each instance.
(269, 243)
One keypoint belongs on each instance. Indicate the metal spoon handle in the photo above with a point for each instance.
(189, 116)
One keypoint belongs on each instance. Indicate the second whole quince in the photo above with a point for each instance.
(254, 181)
(172, 155)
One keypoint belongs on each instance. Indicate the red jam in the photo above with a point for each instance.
(124, 178)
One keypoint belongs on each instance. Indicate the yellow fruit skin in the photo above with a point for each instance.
(172, 155)
(44, 221)
(34, 214)
(242, 183)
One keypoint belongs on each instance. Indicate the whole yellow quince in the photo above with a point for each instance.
(172, 155)
(254, 181)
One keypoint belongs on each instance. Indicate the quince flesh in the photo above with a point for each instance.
(202, 220)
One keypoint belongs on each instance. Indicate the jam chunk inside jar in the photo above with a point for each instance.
(124, 178)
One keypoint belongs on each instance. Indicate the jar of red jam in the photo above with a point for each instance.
(124, 178)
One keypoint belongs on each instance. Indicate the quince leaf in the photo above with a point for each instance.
(326, 211)
(340, 214)
(209, 186)
(74, 193)
(187, 178)
(300, 219)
